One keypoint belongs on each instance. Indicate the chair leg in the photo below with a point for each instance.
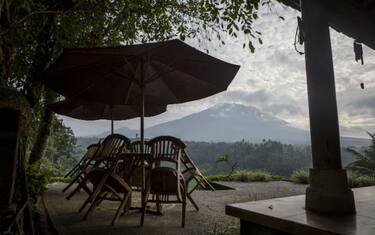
(144, 206)
(79, 186)
(121, 207)
(84, 205)
(143, 212)
(183, 214)
(158, 205)
(91, 208)
(70, 184)
(193, 202)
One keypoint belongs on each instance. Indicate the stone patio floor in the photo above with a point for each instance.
(211, 216)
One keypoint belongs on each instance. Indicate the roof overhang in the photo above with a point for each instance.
(354, 18)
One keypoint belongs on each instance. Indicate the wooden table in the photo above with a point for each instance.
(140, 158)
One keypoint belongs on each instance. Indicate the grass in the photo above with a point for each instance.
(355, 179)
(62, 179)
(300, 176)
(247, 176)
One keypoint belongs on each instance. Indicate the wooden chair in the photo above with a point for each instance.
(192, 173)
(165, 182)
(110, 184)
(135, 147)
(91, 149)
(112, 145)
(77, 173)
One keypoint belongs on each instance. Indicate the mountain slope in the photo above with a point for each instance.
(230, 123)
(227, 123)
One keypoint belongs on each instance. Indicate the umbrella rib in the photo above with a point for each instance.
(128, 93)
(156, 75)
(93, 84)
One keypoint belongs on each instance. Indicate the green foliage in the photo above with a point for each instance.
(223, 158)
(269, 155)
(60, 153)
(246, 176)
(356, 179)
(59, 179)
(60, 156)
(300, 176)
(364, 160)
(37, 182)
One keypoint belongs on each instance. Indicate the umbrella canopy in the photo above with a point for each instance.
(88, 110)
(167, 72)
(154, 73)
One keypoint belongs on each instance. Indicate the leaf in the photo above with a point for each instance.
(251, 47)
(223, 158)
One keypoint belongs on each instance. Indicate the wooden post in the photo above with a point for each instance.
(328, 191)
(15, 209)
(8, 160)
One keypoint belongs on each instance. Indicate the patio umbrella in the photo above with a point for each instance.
(88, 110)
(155, 73)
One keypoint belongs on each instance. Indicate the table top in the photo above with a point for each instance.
(288, 214)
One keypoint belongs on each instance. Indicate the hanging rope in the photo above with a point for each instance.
(358, 51)
(299, 36)
(362, 85)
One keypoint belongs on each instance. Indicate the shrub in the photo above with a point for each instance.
(247, 176)
(300, 176)
(59, 179)
(356, 179)
(217, 178)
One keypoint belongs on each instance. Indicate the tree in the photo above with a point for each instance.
(225, 158)
(364, 161)
(34, 32)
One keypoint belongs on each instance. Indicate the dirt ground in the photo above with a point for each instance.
(210, 218)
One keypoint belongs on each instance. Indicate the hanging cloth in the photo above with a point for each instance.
(358, 51)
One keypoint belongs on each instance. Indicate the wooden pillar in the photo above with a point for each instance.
(8, 160)
(328, 191)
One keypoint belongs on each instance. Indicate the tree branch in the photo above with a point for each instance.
(5, 31)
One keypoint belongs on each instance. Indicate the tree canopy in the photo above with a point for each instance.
(34, 32)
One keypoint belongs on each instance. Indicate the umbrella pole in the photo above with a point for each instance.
(142, 136)
(142, 119)
(112, 126)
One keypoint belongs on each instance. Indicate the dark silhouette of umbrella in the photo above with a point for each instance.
(89, 110)
(154, 73)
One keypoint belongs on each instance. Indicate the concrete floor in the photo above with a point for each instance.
(209, 218)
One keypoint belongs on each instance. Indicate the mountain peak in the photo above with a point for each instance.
(240, 110)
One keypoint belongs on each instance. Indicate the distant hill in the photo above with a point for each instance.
(231, 123)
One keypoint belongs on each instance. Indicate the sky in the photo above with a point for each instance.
(273, 79)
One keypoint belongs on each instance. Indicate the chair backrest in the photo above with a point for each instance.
(166, 148)
(112, 145)
(135, 147)
(91, 151)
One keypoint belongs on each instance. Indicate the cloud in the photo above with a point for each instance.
(273, 79)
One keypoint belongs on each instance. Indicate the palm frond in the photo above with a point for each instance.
(364, 161)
